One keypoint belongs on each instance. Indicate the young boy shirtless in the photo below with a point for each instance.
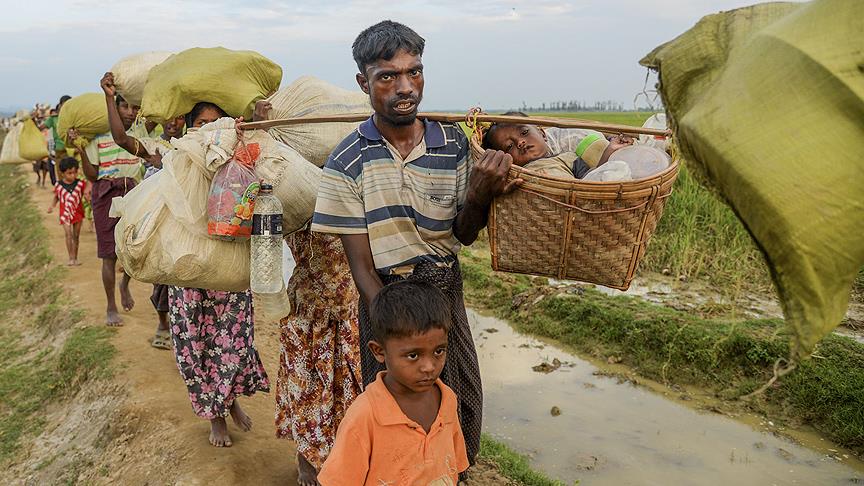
(404, 428)
(529, 147)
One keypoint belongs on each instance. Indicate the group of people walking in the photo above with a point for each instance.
(397, 199)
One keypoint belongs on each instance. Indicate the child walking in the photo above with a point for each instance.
(69, 193)
(404, 429)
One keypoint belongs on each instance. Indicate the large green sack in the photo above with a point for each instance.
(768, 103)
(31, 142)
(87, 113)
(233, 80)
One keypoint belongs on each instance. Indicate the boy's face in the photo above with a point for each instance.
(69, 175)
(174, 128)
(523, 142)
(128, 113)
(395, 87)
(413, 362)
(207, 115)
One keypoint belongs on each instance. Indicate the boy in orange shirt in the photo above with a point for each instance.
(404, 428)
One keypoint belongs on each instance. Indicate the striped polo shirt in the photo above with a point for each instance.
(114, 162)
(407, 207)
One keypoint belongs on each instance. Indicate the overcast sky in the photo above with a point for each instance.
(493, 53)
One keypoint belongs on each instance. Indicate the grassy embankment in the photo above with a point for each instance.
(47, 354)
(698, 237)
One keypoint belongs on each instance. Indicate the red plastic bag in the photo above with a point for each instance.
(232, 195)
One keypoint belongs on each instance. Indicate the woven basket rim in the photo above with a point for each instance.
(583, 186)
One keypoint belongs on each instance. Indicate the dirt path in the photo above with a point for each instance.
(159, 439)
(140, 429)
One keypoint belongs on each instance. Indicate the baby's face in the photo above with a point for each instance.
(523, 142)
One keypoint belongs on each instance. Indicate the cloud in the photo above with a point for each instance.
(497, 53)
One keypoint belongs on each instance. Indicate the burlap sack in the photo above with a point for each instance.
(310, 96)
(9, 152)
(766, 102)
(233, 80)
(130, 74)
(88, 113)
(31, 142)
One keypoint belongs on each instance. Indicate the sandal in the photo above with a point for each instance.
(162, 340)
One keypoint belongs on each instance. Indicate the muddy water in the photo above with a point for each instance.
(608, 432)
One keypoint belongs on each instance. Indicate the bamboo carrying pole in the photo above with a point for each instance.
(608, 128)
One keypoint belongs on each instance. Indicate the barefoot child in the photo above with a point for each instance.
(113, 172)
(150, 149)
(69, 193)
(404, 429)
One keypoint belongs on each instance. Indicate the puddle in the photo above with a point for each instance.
(576, 425)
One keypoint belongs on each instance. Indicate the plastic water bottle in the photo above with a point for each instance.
(266, 264)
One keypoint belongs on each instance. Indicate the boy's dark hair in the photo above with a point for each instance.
(198, 108)
(487, 137)
(119, 99)
(382, 41)
(407, 308)
(63, 99)
(67, 163)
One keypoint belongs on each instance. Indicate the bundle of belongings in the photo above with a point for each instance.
(162, 236)
(751, 94)
(9, 152)
(232, 80)
(86, 113)
(32, 144)
(130, 74)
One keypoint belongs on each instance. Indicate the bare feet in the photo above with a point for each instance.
(75, 263)
(240, 418)
(113, 319)
(219, 433)
(306, 473)
(126, 299)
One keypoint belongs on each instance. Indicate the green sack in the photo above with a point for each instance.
(87, 113)
(31, 142)
(232, 80)
(768, 103)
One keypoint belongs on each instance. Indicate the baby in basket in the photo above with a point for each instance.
(556, 152)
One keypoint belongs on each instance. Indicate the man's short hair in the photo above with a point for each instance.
(67, 163)
(407, 308)
(382, 41)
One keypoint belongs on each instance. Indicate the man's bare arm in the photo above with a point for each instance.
(360, 260)
(488, 180)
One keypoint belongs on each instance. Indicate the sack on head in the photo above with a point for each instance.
(87, 113)
(232, 80)
(130, 74)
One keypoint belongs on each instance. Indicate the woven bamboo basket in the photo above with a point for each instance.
(594, 232)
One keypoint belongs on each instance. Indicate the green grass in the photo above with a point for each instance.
(47, 353)
(511, 464)
(728, 358)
